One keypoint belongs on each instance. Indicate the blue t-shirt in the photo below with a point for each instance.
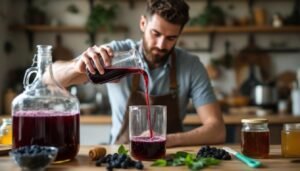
(192, 81)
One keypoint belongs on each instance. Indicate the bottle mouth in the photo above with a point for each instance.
(44, 48)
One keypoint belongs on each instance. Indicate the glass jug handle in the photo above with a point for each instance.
(29, 71)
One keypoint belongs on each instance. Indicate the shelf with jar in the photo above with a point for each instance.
(213, 20)
(100, 19)
(240, 29)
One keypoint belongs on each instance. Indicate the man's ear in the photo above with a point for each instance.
(143, 22)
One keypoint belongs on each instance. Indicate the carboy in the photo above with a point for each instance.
(45, 113)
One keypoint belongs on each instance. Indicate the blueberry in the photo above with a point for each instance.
(122, 157)
(115, 156)
(112, 163)
(124, 165)
(117, 165)
(132, 163)
(207, 147)
(139, 165)
(109, 167)
(226, 157)
(108, 158)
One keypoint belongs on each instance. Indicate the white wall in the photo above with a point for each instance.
(130, 17)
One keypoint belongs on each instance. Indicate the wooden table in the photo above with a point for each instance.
(193, 120)
(82, 162)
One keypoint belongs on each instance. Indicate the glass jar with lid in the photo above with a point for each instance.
(290, 140)
(6, 131)
(45, 113)
(255, 137)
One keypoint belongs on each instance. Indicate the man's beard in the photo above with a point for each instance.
(156, 59)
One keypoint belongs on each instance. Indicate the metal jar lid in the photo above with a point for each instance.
(255, 120)
(291, 127)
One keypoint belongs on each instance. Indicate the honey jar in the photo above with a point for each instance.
(255, 137)
(290, 140)
(6, 131)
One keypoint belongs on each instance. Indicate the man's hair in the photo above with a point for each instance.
(174, 11)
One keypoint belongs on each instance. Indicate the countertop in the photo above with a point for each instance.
(193, 119)
(82, 162)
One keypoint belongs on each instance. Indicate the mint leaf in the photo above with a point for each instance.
(160, 162)
(181, 154)
(210, 161)
(197, 165)
(188, 159)
(178, 162)
(122, 150)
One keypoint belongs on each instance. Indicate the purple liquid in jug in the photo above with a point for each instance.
(47, 128)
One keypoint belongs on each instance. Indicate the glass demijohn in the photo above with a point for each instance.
(45, 113)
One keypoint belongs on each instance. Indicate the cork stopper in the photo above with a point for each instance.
(97, 153)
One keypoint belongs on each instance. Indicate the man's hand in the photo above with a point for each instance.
(100, 56)
(73, 72)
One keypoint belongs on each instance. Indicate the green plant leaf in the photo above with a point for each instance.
(101, 17)
(122, 150)
(188, 159)
(160, 162)
(210, 161)
(197, 165)
(181, 154)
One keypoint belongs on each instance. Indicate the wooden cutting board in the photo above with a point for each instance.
(4, 149)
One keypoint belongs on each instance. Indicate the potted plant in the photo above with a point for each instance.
(101, 16)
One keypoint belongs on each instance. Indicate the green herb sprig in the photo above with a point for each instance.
(122, 150)
(182, 158)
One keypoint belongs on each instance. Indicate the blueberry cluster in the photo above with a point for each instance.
(34, 157)
(119, 161)
(217, 153)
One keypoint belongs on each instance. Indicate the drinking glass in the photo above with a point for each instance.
(147, 131)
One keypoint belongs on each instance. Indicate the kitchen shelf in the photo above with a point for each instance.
(239, 29)
(47, 28)
(31, 29)
(251, 30)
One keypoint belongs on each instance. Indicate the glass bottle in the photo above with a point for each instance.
(247, 87)
(290, 137)
(6, 131)
(123, 63)
(45, 113)
(255, 137)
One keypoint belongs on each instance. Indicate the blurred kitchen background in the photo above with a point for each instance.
(251, 48)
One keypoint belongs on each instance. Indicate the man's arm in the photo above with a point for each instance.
(66, 73)
(73, 72)
(212, 130)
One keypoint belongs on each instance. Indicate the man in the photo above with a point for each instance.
(174, 77)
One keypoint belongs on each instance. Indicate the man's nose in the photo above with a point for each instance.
(161, 43)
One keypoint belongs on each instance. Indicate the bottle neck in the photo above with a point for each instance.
(44, 60)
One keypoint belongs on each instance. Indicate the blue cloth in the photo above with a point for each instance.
(192, 80)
